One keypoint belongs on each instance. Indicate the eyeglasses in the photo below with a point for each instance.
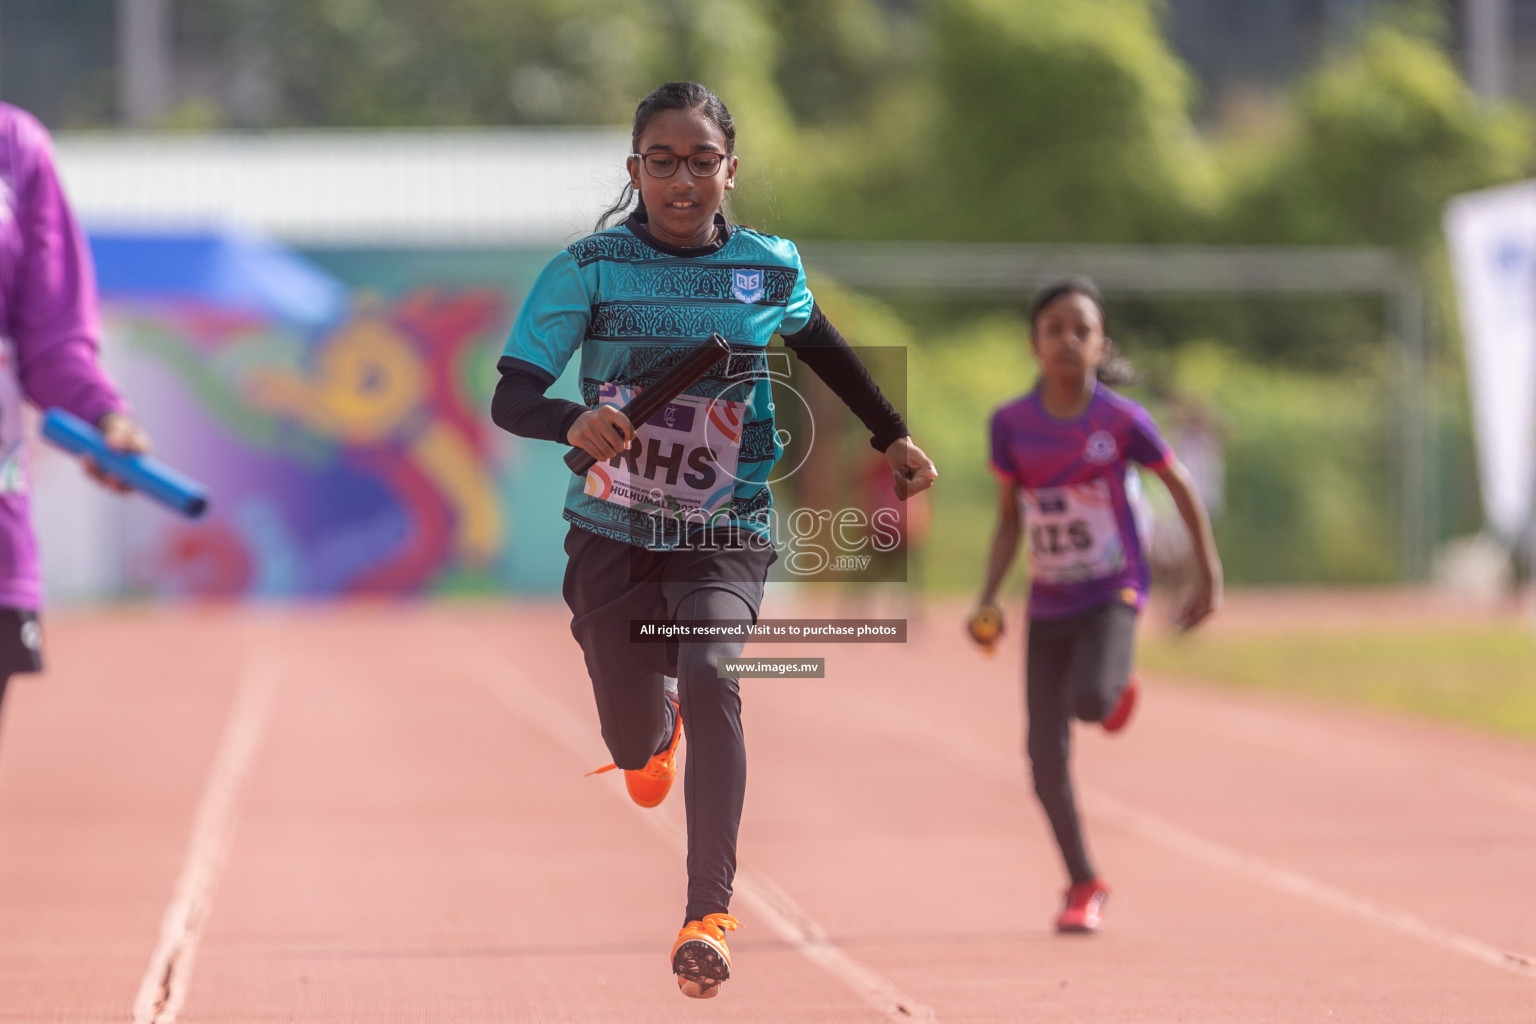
(664, 165)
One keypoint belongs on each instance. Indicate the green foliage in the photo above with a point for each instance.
(1379, 139)
(388, 63)
(1071, 117)
(836, 57)
(380, 63)
(1311, 487)
(1018, 120)
(956, 379)
(1042, 121)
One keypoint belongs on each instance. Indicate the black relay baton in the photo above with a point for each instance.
(655, 398)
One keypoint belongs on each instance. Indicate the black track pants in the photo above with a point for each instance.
(607, 585)
(1075, 668)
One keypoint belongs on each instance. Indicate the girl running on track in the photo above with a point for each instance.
(49, 334)
(672, 522)
(1061, 456)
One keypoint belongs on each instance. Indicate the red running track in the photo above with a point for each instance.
(377, 813)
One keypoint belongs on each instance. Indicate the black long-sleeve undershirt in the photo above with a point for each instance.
(821, 347)
(521, 407)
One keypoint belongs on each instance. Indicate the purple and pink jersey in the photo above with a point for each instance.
(1070, 475)
(48, 332)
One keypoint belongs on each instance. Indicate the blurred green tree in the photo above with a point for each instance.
(1377, 140)
(1036, 120)
(388, 63)
(837, 58)
(1367, 151)
(398, 63)
(1026, 120)
(1041, 120)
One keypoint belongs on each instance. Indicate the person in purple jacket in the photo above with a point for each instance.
(49, 331)
(1062, 457)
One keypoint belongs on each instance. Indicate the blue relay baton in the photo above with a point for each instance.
(140, 472)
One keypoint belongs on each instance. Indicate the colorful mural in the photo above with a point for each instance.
(348, 459)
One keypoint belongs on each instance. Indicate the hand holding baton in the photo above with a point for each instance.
(655, 398)
(142, 473)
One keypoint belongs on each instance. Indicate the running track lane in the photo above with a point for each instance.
(411, 846)
(414, 840)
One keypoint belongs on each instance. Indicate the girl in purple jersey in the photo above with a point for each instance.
(1061, 454)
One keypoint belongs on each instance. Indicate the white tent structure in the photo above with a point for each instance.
(397, 188)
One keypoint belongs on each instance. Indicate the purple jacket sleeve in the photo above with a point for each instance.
(53, 315)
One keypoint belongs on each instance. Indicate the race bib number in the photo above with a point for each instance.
(681, 464)
(1073, 532)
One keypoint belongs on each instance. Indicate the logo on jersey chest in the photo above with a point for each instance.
(1101, 448)
(747, 285)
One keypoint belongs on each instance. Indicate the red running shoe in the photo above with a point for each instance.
(1084, 910)
(1117, 719)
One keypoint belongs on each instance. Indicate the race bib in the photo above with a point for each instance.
(1074, 535)
(681, 464)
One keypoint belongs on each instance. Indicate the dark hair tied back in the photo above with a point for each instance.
(671, 96)
(1116, 369)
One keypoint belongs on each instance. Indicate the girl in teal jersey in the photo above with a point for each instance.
(672, 522)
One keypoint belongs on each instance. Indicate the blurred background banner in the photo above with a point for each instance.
(1493, 252)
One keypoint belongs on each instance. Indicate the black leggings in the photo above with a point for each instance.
(1075, 668)
(628, 680)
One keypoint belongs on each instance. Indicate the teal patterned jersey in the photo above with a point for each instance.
(634, 308)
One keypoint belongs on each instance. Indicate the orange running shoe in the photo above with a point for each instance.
(1117, 718)
(1084, 909)
(699, 956)
(650, 785)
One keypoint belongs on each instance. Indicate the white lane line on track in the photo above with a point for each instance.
(1216, 855)
(965, 752)
(1388, 760)
(770, 903)
(164, 988)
